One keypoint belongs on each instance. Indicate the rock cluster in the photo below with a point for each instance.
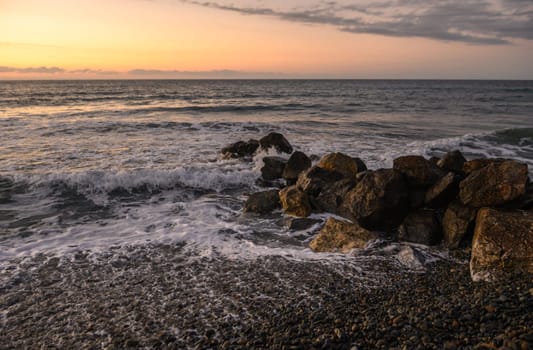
(485, 203)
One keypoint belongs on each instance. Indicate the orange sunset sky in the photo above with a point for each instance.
(125, 39)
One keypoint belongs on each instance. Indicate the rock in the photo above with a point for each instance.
(272, 168)
(503, 243)
(276, 140)
(342, 163)
(240, 149)
(332, 195)
(341, 236)
(443, 191)
(494, 184)
(452, 161)
(421, 226)
(262, 202)
(299, 224)
(417, 197)
(458, 223)
(418, 170)
(524, 202)
(295, 201)
(297, 163)
(379, 201)
(476, 164)
(314, 179)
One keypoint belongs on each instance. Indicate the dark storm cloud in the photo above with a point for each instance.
(469, 21)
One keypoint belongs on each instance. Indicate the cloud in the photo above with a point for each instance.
(489, 22)
(40, 70)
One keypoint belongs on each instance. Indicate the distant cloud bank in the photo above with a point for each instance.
(488, 22)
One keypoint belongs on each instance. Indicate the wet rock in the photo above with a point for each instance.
(276, 140)
(379, 201)
(417, 197)
(263, 202)
(272, 168)
(295, 201)
(297, 163)
(443, 191)
(315, 179)
(240, 149)
(299, 224)
(418, 170)
(332, 195)
(452, 161)
(342, 163)
(421, 226)
(341, 236)
(458, 223)
(494, 184)
(502, 243)
(476, 164)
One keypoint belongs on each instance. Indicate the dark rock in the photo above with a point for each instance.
(443, 191)
(295, 201)
(524, 202)
(494, 184)
(434, 160)
(418, 170)
(297, 163)
(342, 163)
(332, 195)
(452, 161)
(417, 197)
(263, 202)
(503, 243)
(379, 201)
(240, 149)
(299, 224)
(458, 223)
(276, 140)
(273, 168)
(421, 226)
(313, 180)
(476, 164)
(341, 236)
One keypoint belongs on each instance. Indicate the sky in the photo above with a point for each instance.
(355, 39)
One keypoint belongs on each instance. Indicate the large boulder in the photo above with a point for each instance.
(379, 201)
(502, 243)
(494, 184)
(299, 224)
(273, 168)
(342, 163)
(262, 202)
(452, 161)
(458, 223)
(297, 163)
(419, 171)
(421, 226)
(315, 179)
(341, 236)
(332, 194)
(476, 164)
(240, 149)
(276, 140)
(295, 201)
(443, 191)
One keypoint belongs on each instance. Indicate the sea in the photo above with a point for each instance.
(105, 166)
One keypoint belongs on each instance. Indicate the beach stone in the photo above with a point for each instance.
(315, 179)
(299, 224)
(418, 170)
(240, 149)
(295, 201)
(341, 236)
(502, 243)
(379, 200)
(342, 163)
(443, 191)
(457, 223)
(421, 226)
(332, 195)
(276, 140)
(273, 168)
(297, 163)
(262, 202)
(452, 161)
(494, 184)
(476, 164)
